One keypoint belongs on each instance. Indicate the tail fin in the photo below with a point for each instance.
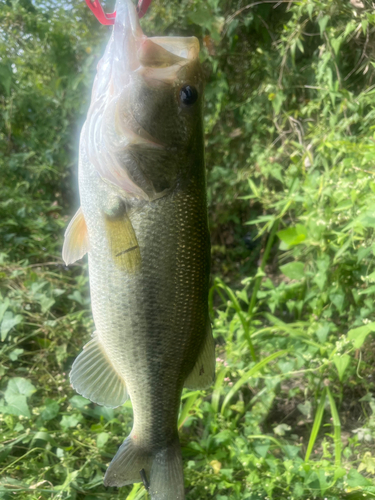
(167, 476)
(163, 469)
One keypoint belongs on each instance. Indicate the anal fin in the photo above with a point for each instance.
(94, 377)
(127, 463)
(76, 242)
(203, 373)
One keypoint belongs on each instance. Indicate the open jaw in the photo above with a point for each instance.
(130, 49)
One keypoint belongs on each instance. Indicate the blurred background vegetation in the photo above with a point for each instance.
(290, 148)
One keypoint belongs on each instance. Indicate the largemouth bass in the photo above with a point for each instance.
(143, 223)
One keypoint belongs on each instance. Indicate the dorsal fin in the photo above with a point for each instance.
(203, 373)
(76, 242)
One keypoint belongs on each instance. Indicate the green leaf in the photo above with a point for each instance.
(3, 307)
(102, 439)
(293, 270)
(19, 386)
(323, 23)
(281, 429)
(17, 405)
(320, 277)
(368, 291)
(42, 436)
(322, 333)
(79, 402)
(243, 295)
(338, 300)
(300, 45)
(358, 335)
(14, 355)
(341, 363)
(350, 27)
(46, 303)
(336, 43)
(277, 101)
(339, 473)
(16, 394)
(364, 23)
(305, 408)
(310, 9)
(204, 16)
(105, 412)
(9, 321)
(291, 451)
(69, 421)
(356, 480)
(262, 449)
(77, 297)
(51, 410)
(293, 235)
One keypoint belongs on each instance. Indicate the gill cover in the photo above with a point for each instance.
(112, 131)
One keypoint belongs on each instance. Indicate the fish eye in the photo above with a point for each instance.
(188, 95)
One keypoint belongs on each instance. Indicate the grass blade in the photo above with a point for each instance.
(235, 304)
(184, 415)
(336, 427)
(134, 492)
(316, 425)
(255, 369)
(267, 250)
(217, 390)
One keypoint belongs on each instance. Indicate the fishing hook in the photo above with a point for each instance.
(109, 18)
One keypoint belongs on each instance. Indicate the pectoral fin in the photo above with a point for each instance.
(94, 377)
(76, 242)
(123, 243)
(203, 373)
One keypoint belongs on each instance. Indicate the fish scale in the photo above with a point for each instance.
(143, 223)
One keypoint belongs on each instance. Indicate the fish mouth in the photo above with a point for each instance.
(163, 52)
(157, 59)
(134, 50)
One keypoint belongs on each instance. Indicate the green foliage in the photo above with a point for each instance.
(290, 134)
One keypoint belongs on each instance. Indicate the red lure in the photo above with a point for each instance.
(108, 19)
